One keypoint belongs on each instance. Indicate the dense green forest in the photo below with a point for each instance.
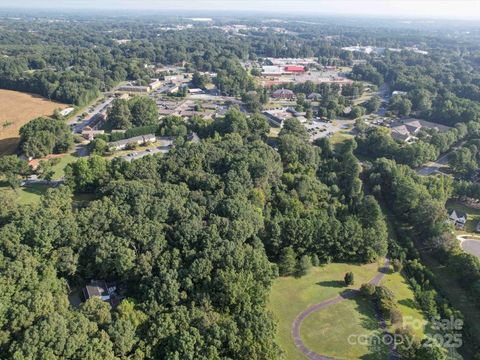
(194, 238)
(73, 59)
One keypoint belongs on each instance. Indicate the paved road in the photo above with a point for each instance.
(139, 154)
(34, 180)
(78, 124)
(470, 244)
(310, 354)
(433, 166)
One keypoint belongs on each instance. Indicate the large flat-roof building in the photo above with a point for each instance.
(272, 70)
(132, 87)
(137, 140)
(294, 69)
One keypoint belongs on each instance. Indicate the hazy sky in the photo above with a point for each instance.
(399, 8)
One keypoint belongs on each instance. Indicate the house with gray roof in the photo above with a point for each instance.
(457, 218)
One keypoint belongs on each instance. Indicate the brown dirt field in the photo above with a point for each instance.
(19, 108)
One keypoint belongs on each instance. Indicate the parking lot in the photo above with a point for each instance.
(319, 129)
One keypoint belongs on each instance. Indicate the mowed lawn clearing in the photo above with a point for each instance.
(411, 312)
(342, 329)
(60, 166)
(26, 195)
(16, 109)
(290, 296)
(327, 332)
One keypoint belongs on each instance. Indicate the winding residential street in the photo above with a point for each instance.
(348, 294)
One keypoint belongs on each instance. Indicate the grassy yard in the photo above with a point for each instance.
(363, 98)
(274, 131)
(60, 167)
(406, 303)
(30, 195)
(328, 332)
(340, 137)
(290, 296)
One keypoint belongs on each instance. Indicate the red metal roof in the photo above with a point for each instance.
(293, 68)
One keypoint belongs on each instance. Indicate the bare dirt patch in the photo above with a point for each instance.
(16, 109)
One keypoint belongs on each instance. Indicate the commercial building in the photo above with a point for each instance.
(132, 87)
(272, 71)
(284, 94)
(294, 69)
(137, 140)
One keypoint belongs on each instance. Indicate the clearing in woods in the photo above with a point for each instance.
(16, 109)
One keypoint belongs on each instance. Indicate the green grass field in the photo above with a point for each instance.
(30, 195)
(411, 312)
(340, 137)
(326, 332)
(60, 167)
(290, 296)
(334, 331)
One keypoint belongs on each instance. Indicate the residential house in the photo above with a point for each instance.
(195, 91)
(457, 218)
(168, 89)
(108, 292)
(96, 288)
(277, 117)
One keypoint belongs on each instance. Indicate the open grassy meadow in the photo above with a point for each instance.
(26, 195)
(329, 332)
(340, 137)
(59, 167)
(290, 296)
(326, 331)
(16, 109)
(411, 312)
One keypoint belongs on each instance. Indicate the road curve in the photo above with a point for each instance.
(348, 294)
(470, 243)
